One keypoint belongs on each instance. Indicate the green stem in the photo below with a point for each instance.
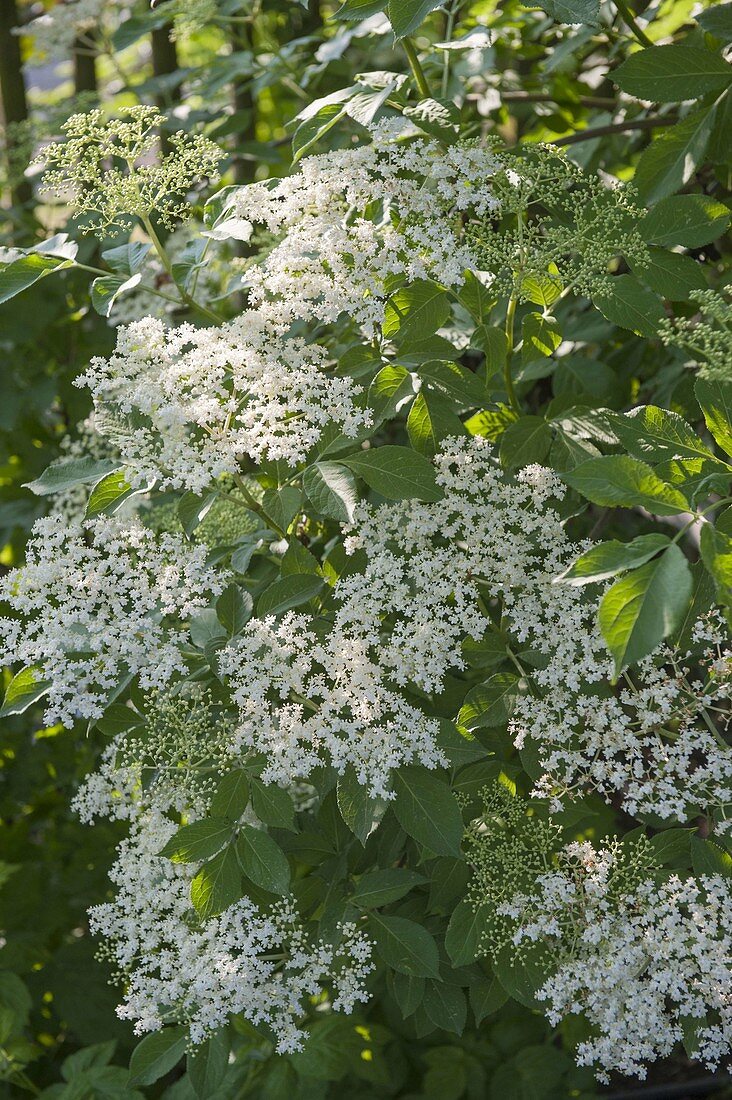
(629, 19)
(616, 128)
(507, 377)
(257, 507)
(417, 71)
(165, 261)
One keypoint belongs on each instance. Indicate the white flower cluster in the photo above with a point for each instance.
(301, 695)
(351, 220)
(639, 963)
(187, 405)
(177, 968)
(651, 742)
(95, 597)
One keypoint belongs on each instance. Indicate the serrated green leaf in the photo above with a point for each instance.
(468, 924)
(234, 609)
(526, 441)
(669, 74)
(108, 494)
(619, 481)
(673, 156)
(157, 1054)
(644, 607)
(405, 946)
(427, 810)
(430, 421)
(415, 311)
(380, 887)
(25, 688)
(291, 591)
(69, 472)
(629, 304)
(607, 559)
(688, 220)
(332, 489)
(398, 473)
(272, 805)
(199, 840)
(406, 16)
(262, 861)
(232, 796)
(715, 399)
(217, 885)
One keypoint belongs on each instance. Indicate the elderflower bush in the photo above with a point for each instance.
(383, 610)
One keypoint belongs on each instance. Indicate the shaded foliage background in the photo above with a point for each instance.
(242, 72)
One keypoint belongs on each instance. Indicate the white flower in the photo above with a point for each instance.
(187, 405)
(100, 600)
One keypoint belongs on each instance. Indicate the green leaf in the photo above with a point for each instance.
(157, 1054)
(390, 391)
(107, 289)
(406, 16)
(126, 259)
(673, 156)
(607, 559)
(526, 441)
(716, 552)
(651, 433)
(208, 1063)
(232, 796)
(468, 925)
(709, 858)
(625, 302)
(572, 11)
(398, 473)
(619, 481)
(715, 399)
(670, 74)
(360, 812)
(217, 885)
(25, 688)
(460, 385)
(408, 991)
(486, 997)
(644, 607)
(282, 505)
(360, 9)
(541, 337)
(427, 810)
(108, 494)
(262, 860)
(688, 220)
(415, 311)
(717, 20)
(69, 472)
(446, 1006)
(377, 888)
(542, 289)
(193, 509)
(332, 489)
(312, 129)
(234, 609)
(19, 274)
(287, 592)
(199, 840)
(272, 805)
(405, 946)
(670, 274)
(491, 703)
(437, 117)
(430, 421)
